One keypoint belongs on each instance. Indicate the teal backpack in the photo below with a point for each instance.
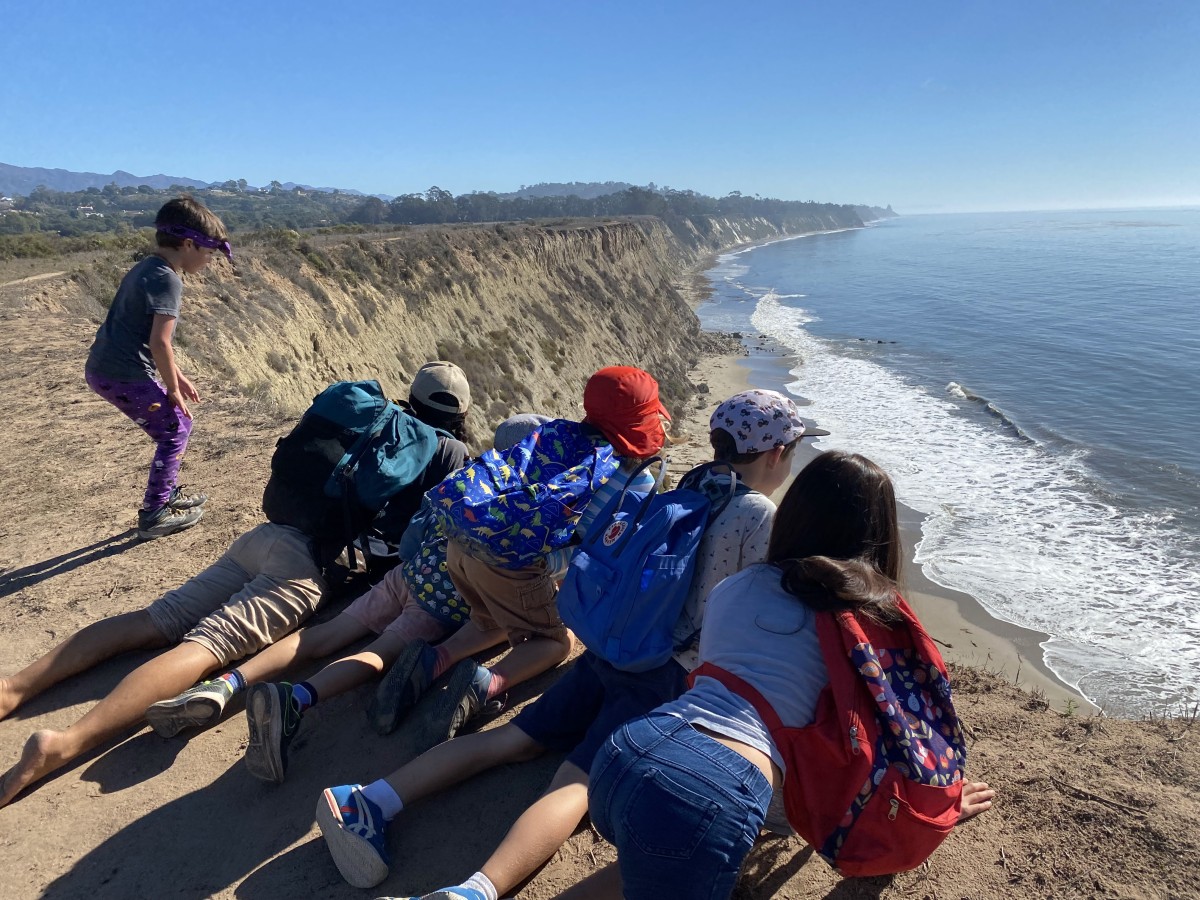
(350, 453)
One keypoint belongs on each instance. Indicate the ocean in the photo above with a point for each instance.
(1031, 381)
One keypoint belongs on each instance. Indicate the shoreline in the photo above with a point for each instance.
(967, 634)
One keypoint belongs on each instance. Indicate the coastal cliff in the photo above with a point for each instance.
(528, 310)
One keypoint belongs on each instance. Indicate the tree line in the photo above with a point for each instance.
(115, 211)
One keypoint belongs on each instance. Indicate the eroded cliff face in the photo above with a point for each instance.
(528, 310)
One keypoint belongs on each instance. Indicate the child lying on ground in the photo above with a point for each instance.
(415, 601)
(755, 433)
(622, 409)
(262, 588)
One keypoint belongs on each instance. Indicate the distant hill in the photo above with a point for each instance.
(875, 213)
(586, 190)
(291, 185)
(19, 180)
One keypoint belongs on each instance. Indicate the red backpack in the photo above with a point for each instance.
(874, 783)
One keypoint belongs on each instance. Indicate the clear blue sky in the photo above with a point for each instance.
(929, 105)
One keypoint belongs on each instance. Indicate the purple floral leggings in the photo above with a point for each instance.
(146, 403)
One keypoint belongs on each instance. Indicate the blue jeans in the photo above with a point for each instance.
(682, 809)
(578, 712)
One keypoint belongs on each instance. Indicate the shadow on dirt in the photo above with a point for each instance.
(27, 576)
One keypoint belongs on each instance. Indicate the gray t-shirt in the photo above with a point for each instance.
(761, 633)
(121, 350)
(767, 637)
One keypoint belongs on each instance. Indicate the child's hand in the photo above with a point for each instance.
(188, 390)
(176, 398)
(977, 797)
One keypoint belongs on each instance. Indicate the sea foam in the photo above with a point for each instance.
(1031, 533)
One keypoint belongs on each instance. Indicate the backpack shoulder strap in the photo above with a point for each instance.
(693, 479)
(743, 689)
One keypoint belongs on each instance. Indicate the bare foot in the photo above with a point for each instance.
(40, 757)
(976, 798)
(8, 698)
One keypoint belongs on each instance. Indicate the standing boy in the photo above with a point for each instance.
(132, 361)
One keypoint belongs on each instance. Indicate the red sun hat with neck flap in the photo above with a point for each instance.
(622, 402)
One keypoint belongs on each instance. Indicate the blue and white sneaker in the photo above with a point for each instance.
(355, 833)
(458, 892)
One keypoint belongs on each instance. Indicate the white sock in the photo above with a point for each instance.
(483, 884)
(385, 797)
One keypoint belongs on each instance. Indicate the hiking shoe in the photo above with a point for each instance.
(273, 718)
(466, 697)
(401, 688)
(354, 831)
(197, 707)
(165, 520)
(180, 500)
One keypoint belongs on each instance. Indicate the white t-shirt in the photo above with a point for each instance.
(737, 538)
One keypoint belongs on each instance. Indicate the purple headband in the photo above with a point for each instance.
(197, 237)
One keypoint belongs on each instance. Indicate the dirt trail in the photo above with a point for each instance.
(29, 279)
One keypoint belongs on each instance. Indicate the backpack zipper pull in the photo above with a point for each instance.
(854, 739)
(894, 810)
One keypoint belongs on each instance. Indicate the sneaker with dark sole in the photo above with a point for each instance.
(458, 892)
(464, 698)
(401, 688)
(273, 719)
(165, 520)
(181, 500)
(354, 831)
(197, 707)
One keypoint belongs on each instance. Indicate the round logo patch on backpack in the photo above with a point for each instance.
(614, 531)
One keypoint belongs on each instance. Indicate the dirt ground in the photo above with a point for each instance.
(1088, 807)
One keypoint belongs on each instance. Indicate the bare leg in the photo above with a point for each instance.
(302, 646)
(603, 884)
(349, 672)
(541, 830)
(976, 798)
(85, 648)
(467, 641)
(162, 677)
(372, 661)
(533, 657)
(453, 761)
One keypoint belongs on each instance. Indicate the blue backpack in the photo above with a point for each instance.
(629, 579)
(351, 452)
(510, 508)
